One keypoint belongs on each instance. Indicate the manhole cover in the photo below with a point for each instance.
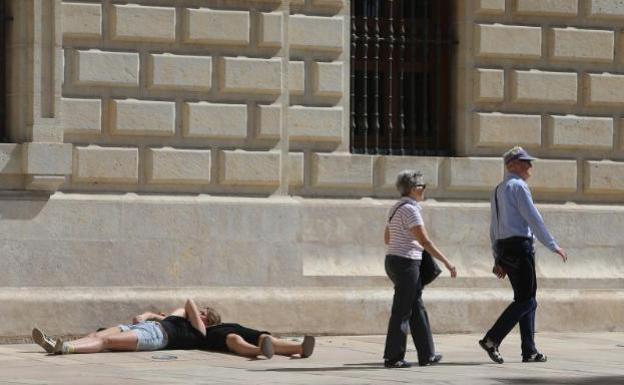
(164, 357)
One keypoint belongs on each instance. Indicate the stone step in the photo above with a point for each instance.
(315, 310)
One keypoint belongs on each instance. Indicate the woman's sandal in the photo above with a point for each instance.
(266, 347)
(307, 347)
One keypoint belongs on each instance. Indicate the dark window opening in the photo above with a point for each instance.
(4, 20)
(401, 53)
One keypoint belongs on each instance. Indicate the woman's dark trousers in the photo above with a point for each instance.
(408, 311)
(522, 309)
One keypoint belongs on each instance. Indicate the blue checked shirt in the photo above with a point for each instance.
(517, 215)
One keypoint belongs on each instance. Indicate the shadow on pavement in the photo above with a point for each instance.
(360, 366)
(598, 380)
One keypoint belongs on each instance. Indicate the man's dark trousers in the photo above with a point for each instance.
(521, 274)
(407, 309)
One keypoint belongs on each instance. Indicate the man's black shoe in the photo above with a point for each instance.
(397, 364)
(492, 350)
(432, 360)
(537, 357)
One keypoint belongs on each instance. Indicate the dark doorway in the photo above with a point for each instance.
(4, 20)
(401, 55)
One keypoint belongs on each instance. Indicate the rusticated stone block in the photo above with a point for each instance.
(180, 72)
(582, 45)
(136, 22)
(315, 123)
(554, 175)
(82, 20)
(10, 158)
(249, 168)
(96, 67)
(174, 165)
(327, 79)
(604, 177)
(81, 116)
(332, 3)
(606, 9)
(489, 85)
(544, 87)
(142, 117)
(474, 173)
(296, 77)
(46, 158)
(342, 170)
(214, 120)
(390, 166)
(270, 27)
(315, 32)
(106, 164)
(605, 88)
(251, 75)
(216, 27)
(547, 7)
(581, 132)
(269, 121)
(490, 6)
(513, 41)
(295, 169)
(496, 129)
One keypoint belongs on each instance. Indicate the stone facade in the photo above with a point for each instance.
(208, 140)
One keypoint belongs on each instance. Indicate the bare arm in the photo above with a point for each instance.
(192, 314)
(147, 316)
(386, 236)
(420, 233)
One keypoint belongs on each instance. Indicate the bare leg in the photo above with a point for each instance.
(285, 348)
(105, 332)
(123, 341)
(241, 347)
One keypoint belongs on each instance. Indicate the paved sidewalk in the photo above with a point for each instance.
(575, 359)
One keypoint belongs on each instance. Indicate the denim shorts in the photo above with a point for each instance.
(150, 335)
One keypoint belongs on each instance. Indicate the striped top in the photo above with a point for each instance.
(402, 241)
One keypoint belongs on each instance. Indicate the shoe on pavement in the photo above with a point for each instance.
(434, 359)
(43, 340)
(492, 350)
(537, 357)
(307, 347)
(397, 364)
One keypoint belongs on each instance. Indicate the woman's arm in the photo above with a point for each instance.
(420, 233)
(386, 235)
(147, 316)
(192, 314)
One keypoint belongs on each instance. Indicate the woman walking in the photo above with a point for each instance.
(406, 238)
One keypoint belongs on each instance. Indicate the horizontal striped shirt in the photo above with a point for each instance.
(402, 241)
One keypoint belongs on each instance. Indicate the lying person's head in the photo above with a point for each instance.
(210, 316)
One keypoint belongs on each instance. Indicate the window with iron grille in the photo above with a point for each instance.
(4, 20)
(401, 53)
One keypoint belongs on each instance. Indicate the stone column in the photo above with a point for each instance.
(34, 92)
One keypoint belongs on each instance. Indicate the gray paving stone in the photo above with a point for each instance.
(574, 359)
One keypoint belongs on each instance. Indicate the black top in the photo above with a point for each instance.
(181, 334)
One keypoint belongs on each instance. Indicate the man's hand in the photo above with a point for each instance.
(563, 254)
(139, 318)
(499, 271)
(451, 268)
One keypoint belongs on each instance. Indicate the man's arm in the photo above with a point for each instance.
(192, 314)
(530, 213)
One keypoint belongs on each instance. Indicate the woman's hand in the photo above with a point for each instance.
(451, 268)
(139, 318)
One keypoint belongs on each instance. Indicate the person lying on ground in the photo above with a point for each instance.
(185, 328)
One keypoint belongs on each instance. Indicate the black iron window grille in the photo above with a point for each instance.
(4, 20)
(401, 52)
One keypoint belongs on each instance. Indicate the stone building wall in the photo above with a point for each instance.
(546, 75)
(201, 148)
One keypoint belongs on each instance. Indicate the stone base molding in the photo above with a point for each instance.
(74, 262)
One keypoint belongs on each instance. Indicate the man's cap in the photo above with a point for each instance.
(516, 153)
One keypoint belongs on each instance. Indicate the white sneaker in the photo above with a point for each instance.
(43, 340)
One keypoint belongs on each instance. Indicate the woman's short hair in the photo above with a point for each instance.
(407, 180)
(212, 316)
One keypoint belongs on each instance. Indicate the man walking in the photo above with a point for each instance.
(515, 222)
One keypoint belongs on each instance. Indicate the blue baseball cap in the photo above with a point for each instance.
(516, 153)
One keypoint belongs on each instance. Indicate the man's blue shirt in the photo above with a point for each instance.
(517, 215)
